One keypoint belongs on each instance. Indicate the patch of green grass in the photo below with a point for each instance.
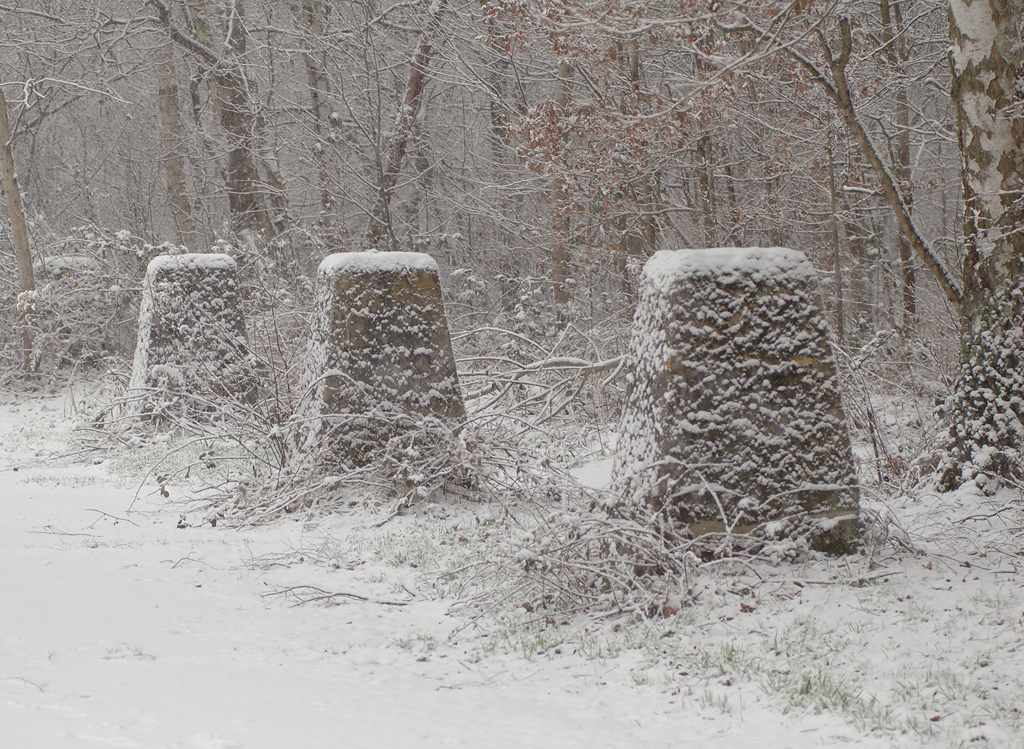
(421, 642)
(933, 688)
(997, 602)
(528, 640)
(74, 481)
(724, 659)
(917, 612)
(191, 462)
(711, 701)
(533, 639)
(859, 626)
(651, 677)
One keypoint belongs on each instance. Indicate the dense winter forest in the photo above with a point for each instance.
(542, 152)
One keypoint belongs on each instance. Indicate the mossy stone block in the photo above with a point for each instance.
(380, 357)
(192, 347)
(733, 419)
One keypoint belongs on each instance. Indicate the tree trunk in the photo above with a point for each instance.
(245, 190)
(503, 105)
(173, 145)
(314, 14)
(232, 105)
(379, 232)
(559, 211)
(908, 280)
(196, 15)
(987, 405)
(644, 244)
(895, 46)
(19, 231)
(837, 267)
(265, 140)
(730, 194)
(706, 180)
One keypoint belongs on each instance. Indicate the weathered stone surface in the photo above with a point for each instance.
(192, 347)
(734, 419)
(380, 357)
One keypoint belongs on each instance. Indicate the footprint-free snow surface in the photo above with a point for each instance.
(152, 629)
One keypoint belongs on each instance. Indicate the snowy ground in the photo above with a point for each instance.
(146, 629)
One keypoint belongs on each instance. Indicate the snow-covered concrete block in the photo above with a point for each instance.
(733, 419)
(192, 347)
(380, 357)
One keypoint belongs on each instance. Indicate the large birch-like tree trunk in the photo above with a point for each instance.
(987, 406)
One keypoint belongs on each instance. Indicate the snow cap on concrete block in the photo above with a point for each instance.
(192, 341)
(373, 262)
(379, 357)
(733, 419)
(758, 264)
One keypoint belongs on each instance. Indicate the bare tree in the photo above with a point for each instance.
(894, 44)
(314, 19)
(172, 139)
(380, 232)
(19, 229)
(987, 406)
(560, 210)
(235, 110)
(837, 88)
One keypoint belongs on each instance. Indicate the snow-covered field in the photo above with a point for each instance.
(147, 628)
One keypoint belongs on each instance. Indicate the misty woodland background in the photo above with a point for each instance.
(539, 159)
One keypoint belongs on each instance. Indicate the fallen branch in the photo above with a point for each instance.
(115, 518)
(579, 366)
(856, 582)
(304, 594)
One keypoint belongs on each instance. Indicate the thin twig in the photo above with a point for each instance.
(319, 594)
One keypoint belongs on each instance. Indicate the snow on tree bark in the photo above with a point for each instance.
(733, 421)
(192, 347)
(314, 18)
(173, 143)
(380, 357)
(987, 405)
(19, 233)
